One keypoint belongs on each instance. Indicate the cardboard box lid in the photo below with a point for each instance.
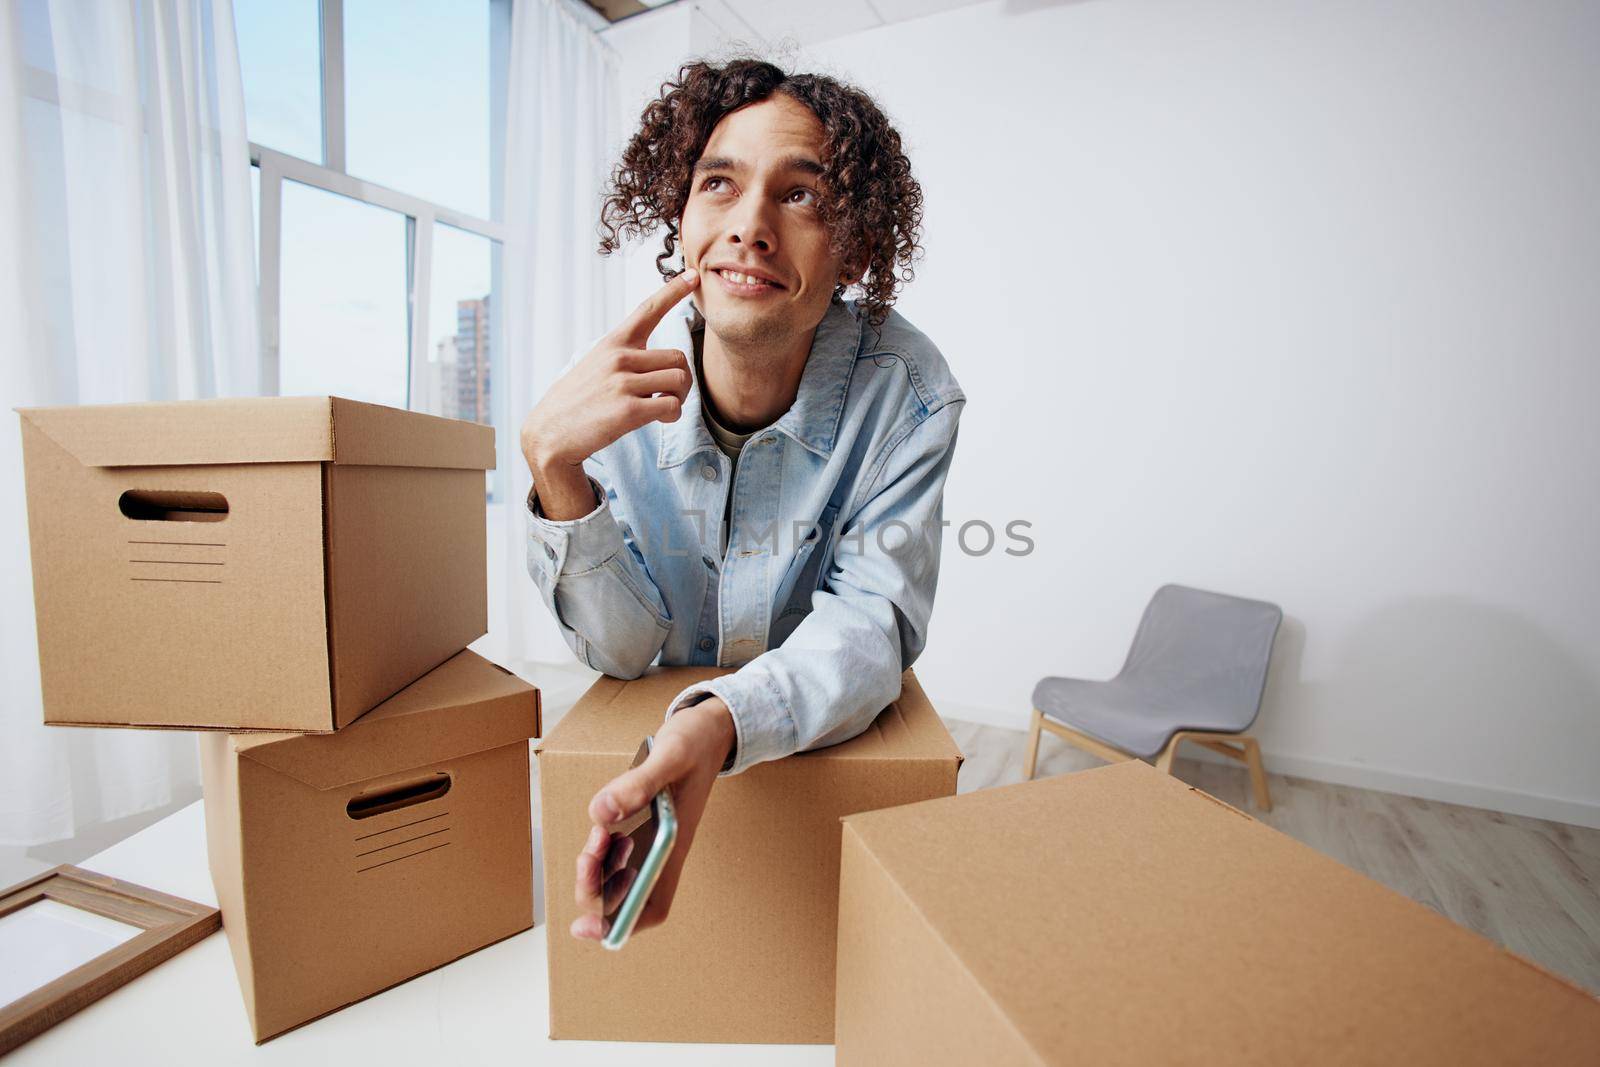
(1118, 911)
(464, 706)
(296, 429)
(612, 717)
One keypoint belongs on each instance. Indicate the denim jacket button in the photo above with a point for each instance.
(705, 644)
(549, 551)
(709, 473)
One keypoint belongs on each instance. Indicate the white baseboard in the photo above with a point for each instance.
(1362, 776)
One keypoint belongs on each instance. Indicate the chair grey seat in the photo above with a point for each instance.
(1198, 662)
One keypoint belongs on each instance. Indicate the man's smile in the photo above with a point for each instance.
(741, 284)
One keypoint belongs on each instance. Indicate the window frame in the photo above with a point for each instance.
(421, 215)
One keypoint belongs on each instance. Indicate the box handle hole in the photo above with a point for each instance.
(366, 805)
(161, 505)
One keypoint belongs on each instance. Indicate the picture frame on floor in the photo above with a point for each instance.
(70, 936)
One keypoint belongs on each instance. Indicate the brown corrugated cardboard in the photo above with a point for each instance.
(1118, 916)
(747, 952)
(346, 863)
(268, 564)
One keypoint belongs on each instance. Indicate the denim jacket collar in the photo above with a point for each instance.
(813, 418)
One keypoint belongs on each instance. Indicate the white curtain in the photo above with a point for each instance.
(126, 273)
(560, 293)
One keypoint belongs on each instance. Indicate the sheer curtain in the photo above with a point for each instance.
(560, 293)
(127, 272)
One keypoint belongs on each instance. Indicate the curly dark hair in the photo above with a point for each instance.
(868, 201)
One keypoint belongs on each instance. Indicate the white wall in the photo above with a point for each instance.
(1295, 300)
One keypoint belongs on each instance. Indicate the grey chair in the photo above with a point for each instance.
(1196, 672)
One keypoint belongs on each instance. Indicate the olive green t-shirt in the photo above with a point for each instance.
(729, 441)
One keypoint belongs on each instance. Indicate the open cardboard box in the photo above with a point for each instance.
(1120, 916)
(747, 952)
(346, 863)
(269, 564)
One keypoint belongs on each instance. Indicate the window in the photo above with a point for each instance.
(280, 56)
(376, 127)
(416, 74)
(456, 376)
(342, 299)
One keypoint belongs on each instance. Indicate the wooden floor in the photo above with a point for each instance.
(1531, 885)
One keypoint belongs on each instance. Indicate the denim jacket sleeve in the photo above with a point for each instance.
(594, 583)
(841, 666)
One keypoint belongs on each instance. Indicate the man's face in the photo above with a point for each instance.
(752, 207)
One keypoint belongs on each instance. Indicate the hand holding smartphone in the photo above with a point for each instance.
(648, 838)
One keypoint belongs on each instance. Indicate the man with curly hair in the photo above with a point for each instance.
(749, 470)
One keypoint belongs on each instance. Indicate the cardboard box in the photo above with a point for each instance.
(346, 863)
(283, 563)
(747, 952)
(1118, 916)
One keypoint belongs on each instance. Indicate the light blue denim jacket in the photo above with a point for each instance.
(824, 591)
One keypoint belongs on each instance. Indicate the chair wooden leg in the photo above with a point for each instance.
(1032, 760)
(1166, 756)
(1258, 773)
(1092, 745)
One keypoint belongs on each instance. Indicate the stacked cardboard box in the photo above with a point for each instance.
(747, 954)
(299, 566)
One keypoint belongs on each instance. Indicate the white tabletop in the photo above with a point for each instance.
(490, 1007)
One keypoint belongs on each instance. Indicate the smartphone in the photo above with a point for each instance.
(653, 838)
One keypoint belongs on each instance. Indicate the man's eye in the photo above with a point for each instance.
(707, 183)
(807, 192)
